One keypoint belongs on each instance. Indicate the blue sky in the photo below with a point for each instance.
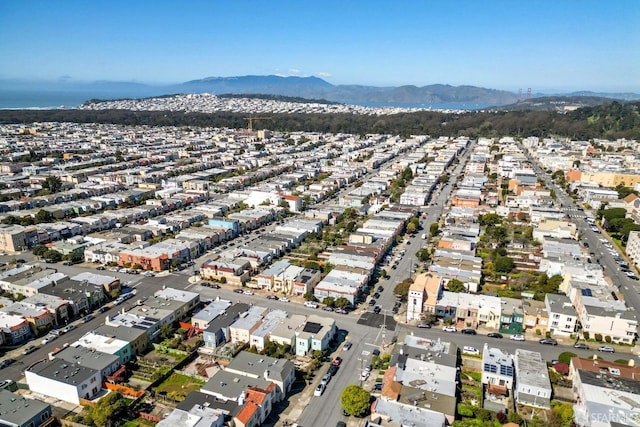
(546, 45)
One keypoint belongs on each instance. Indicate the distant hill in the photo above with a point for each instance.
(317, 88)
(311, 88)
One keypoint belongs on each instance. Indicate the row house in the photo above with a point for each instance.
(233, 272)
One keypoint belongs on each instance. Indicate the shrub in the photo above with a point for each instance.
(538, 332)
(547, 334)
(465, 410)
(565, 357)
(598, 337)
(585, 335)
(607, 339)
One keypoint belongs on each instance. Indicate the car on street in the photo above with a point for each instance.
(283, 299)
(470, 350)
(341, 311)
(327, 308)
(424, 326)
(494, 335)
(581, 346)
(347, 345)
(103, 309)
(238, 291)
(380, 289)
(88, 318)
(274, 297)
(6, 362)
(333, 369)
(310, 304)
(101, 268)
(548, 341)
(29, 349)
(376, 295)
(449, 329)
(377, 309)
(364, 376)
(468, 331)
(337, 361)
(325, 379)
(606, 349)
(319, 390)
(48, 339)
(372, 302)
(247, 292)
(517, 337)
(69, 328)
(205, 284)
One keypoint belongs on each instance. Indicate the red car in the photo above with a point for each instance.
(337, 361)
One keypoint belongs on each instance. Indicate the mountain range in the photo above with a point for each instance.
(303, 87)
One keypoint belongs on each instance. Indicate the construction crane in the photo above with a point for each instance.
(251, 119)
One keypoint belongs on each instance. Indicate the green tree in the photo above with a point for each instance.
(402, 289)
(455, 285)
(329, 301)
(308, 296)
(119, 156)
(434, 228)
(411, 228)
(610, 214)
(342, 302)
(490, 219)
(355, 400)
(39, 250)
(166, 332)
(43, 216)
(565, 357)
(52, 255)
(52, 183)
(503, 264)
(107, 410)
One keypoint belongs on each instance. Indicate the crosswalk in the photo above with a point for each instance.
(574, 213)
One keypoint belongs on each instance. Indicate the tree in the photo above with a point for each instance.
(52, 183)
(434, 229)
(329, 301)
(342, 303)
(111, 407)
(503, 264)
(455, 285)
(490, 219)
(355, 400)
(43, 216)
(308, 296)
(402, 289)
(119, 156)
(166, 332)
(411, 228)
(52, 255)
(39, 250)
(565, 357)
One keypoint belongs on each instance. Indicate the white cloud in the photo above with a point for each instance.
(294, 72)
(323, 74)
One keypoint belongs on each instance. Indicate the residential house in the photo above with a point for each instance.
(316, 334)
(63, 380)
(497, 368)
(20, 411)
(532, 385)
(280, 371)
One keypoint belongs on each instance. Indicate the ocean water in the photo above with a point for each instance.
(21, 99)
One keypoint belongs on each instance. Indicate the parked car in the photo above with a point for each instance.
(581, 346)
(337, 361)
(101, 268)
(325, 379)
(347, 345)
(372, 302)
(468, 331)
(333, 369)
(606, 349)
(6, 362)
(548, 341)
(470, 350)
(205, 284)
(341, 311)
(424, 326)
(319, 390)
(283, 299)
(364, 376)
(377, 309)
(380, 289)
(247, 292)
(494, 335)
(517, 337)
(48, 339)
(238, 291)
(310, 304)
(29, 349)
(69, 328)
(88, 318)
(449, 329)
(327, 308)
(272, 297)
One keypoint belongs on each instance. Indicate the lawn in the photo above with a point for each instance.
(180, 384)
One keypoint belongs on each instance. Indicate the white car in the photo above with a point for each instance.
(247, 292)
(310, 304)
(364, 376)
(470, 350)
(449, 329)
(517, 337)
(319, 390)
(48, 339)
(283, 299)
